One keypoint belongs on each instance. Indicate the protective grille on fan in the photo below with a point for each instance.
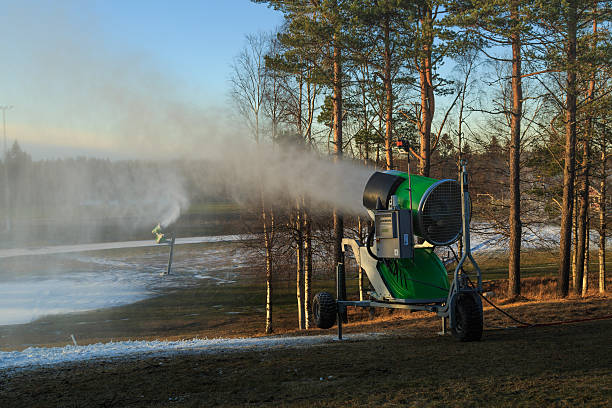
(440, 215)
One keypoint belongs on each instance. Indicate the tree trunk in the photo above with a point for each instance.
(575, 240)
(300, 78)
(359, 269)
(602, 218)
(388, 95)
(569, 166)
(514, 264)
(256, 126)
(583, 204)
(379, 130)
(585, 276)
(307, 267)
(268, 247)
(337, 105)
(311, 95)
(602, 196)
(427, 92)
(299, 265)
(299, 252)
(460, 153)
(366, 141)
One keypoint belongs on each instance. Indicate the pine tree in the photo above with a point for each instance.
(562, 27)
(434, 41)
(381, 40)
(501, 23)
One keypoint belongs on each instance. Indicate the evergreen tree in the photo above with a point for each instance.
(562, 26)
(382, 38)
(497, 23)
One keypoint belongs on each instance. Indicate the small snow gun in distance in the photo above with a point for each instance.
(161, 237)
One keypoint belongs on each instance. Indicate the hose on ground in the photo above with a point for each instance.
(525, 325)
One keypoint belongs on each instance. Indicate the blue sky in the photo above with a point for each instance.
(195, 40)
(86, 77)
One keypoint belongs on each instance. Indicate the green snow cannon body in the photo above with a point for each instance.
(405, 275)
(412, 271)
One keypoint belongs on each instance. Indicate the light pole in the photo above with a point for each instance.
(4, 109)
(7, 218)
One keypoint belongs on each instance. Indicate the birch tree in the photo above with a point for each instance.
(249, 88)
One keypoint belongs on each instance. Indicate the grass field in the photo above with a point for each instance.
(556, 366)
(230, 310)
(534, 262)
(411, 365)
(206, 310)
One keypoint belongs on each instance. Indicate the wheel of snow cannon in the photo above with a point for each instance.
(324, 310)
(468, 318)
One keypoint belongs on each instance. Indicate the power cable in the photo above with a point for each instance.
(525, 325)
(484, 297)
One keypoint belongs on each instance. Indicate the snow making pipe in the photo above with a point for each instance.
(435, 204)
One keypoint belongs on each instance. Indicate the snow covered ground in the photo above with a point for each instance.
(64, 249)
(38, 356)
(58, 280)
(35, 282)
(483, 238)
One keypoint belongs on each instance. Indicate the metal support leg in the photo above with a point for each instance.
(171, 254)
(443, 332)
(339, 325)
(341, 290)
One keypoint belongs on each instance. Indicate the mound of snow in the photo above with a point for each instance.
(39, 356)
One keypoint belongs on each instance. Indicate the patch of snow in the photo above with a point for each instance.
(540, 237)
(33, 357)
(63, 249)
(25, 300)
(35, 286)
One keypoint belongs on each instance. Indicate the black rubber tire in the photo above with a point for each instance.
(468, 318)
(324, 310)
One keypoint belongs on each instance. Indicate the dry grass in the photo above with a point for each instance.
(557, 366)
(536, 288)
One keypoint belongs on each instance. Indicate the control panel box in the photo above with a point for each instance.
(394, 233)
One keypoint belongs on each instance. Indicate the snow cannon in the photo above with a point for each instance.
(161, 238)
(164, 235)
(412, 215)
(160, 235)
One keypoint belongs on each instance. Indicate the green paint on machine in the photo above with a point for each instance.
(422, 277)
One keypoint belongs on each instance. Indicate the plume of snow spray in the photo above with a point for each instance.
(290, 172)
(116, 104)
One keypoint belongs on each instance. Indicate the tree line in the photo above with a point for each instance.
(522, 88)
